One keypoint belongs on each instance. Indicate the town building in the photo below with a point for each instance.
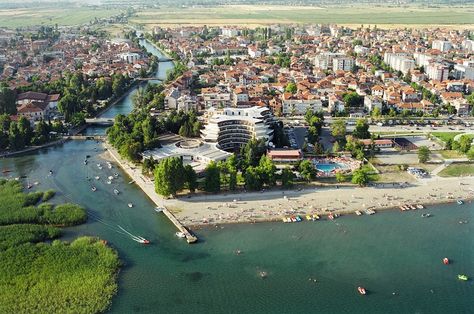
(231, 128)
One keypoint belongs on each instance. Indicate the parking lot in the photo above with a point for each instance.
(296, 136)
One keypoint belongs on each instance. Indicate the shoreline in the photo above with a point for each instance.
(201, 211)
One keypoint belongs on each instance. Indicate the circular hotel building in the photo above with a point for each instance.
(231, 128)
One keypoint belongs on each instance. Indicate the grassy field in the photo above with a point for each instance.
(265, 14)
(451, 154)
(445, 136)
(13, 18)
(457, 170)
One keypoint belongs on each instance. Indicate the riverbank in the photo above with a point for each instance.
(32, 149)
(200, 210)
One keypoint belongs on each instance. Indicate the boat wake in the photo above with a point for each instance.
(134, 237)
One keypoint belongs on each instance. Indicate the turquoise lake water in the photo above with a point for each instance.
(390, 252)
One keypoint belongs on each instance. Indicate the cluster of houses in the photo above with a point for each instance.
(35, 106)
(325, 62)
(23, 60)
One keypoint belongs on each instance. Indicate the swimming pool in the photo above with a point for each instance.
(330, 167)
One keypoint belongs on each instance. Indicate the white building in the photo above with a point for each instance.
(300, 106)
(343, 63)
(399, 61)
(193, 152)
(231, 128)
(442, 45)
(361, 50)
(230, 32)
(323, 61)
(371, 102)
(130, 57)
(464, 71)
(468, 45)
(437, 72)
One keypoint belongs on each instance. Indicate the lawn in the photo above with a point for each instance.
(458, 170)
(451, 154)
(445, 136)
(265, 14)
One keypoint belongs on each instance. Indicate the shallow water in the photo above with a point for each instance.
(391, 252)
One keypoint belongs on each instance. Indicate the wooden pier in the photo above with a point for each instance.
(189, 236)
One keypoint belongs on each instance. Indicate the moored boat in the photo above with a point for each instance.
(463, 277)
(425, 215)
(460, 202)
(308, 217)
(130, 205)
(180, 234)
(315, 216)
(298, 219)
(94, 189)
(445, 261)
(331, 217)
(158, 209)
(358, 213)
(117, 192)
(420, 206)
(362, 290)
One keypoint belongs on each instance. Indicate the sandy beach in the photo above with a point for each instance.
(273, 205)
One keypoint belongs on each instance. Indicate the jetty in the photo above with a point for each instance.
(148, 188)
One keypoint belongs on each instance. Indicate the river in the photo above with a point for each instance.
(396, 256)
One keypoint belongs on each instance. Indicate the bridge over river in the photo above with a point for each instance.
(100, 121)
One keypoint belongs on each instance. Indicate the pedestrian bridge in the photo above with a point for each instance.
(87, 137)
(100, 121)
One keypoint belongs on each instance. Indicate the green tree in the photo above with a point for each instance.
(307, 170)
(16, 140)
(190, 178)
(25, 129)
(291, 88)
(252, 152)
(361, 130)
(465, 143)
(253, 180)
(169, 176)
(360, 177)
(340, 177)
(376, 112)
(267, 171)
(287, 177)
(7, 100)
(470, 154)
(338, 129)
(423, 154)
(352, 100)
(212, 181)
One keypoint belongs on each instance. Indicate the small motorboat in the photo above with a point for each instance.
(445, 261)
(130, 205)
(180, 234)
(358, 213)
(110, 177)
(116, 175)
(425, 215)
(284, 219)
(109, 182)
(97, 178)
(460, 202)
(362, 290)
(158, 209)
(263, 274)
(308, 217)
(94, 189)
(419, 206)
(29, 186)
(316, 217)
(463, 277)
(50, 172)
(298, 219)
(117, 192)
(143, 241)
(85, 162)
(331, 217)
